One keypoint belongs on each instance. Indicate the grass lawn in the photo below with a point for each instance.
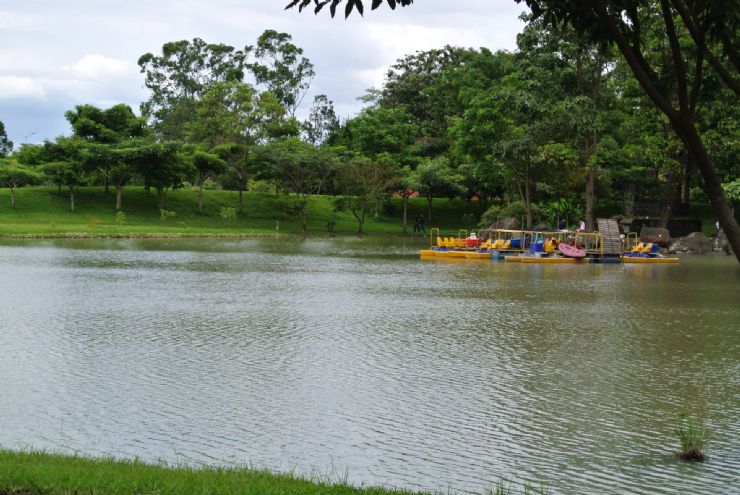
(38, 473)
(42, 211)
(34, 473)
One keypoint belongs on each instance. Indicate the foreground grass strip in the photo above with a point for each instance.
(34, 473)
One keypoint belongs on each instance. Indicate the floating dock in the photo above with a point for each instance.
(635, 259)
(534, 247)
(547, 260)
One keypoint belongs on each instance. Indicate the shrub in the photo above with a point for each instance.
(120, 218)
(228, 214)
(261, 186)
(165, 214)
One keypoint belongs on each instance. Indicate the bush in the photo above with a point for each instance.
(120, 218)
(228, 214)
(165, 214)
(261, 186)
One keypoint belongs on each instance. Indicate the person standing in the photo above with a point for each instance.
(421, 223)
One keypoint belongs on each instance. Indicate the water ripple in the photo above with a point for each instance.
(325, 355)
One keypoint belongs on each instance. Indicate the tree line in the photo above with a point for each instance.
(546, 132)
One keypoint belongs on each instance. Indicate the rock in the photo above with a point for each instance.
(723, 242)
(508, 223)
(698, 243)
(656, 235)
(541, 227)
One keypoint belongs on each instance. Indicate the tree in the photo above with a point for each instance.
(712, 30)
(105, 128)
(163, 168)
(206, 165)
(183, 73)
(6, 145)
(70, 168)
(407, 86)
(351, 4)
(299, 167)
(433, 178)
(282, 68)
(14, 175)
(712, 27)
(232, 118)
(125, 160)
(322, 121)
(363, 185)
(507, 126)
(386, 135)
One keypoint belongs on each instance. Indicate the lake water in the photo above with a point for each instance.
(353, 357)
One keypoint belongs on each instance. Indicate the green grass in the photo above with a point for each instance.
(38, 473)
(692, 438)
(34, 473)
(43, 212)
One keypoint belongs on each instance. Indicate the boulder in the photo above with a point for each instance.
(698, 243)
(656, 235)
(541, 227)
(723, 243)
(508, 223)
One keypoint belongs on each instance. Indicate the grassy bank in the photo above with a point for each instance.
(36, 473)
(33, 473)
(43, 212)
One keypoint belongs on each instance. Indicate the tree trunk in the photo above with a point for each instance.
(671, 192)
(528, 198)
(12, 196)
(72, 198)
(304, 224)
(429, 210)
(590, 195)
(200, 199)
(105, 184)
(405, 213)
(160, 198)
(686, 188)
(119, 194)
(241, 202)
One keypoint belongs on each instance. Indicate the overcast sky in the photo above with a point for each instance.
(55, 54)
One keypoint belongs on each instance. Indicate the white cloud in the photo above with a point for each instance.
(57, 54)
(12, 87)
(94, 66)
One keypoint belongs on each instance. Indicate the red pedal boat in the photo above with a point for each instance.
(571, 251)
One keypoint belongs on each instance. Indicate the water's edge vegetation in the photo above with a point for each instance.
(41, 473)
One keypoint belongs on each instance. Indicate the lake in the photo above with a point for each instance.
(352, 358)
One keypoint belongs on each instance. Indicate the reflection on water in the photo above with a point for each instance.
(353, 355)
